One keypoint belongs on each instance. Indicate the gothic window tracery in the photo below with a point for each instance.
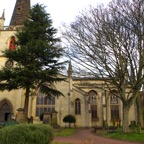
(114, 99)
(92, 97)
(114, 105)
(44, 104)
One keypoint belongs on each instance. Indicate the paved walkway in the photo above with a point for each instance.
(85, 136)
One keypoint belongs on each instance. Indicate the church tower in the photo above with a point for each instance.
(13, 100)
(20, 13)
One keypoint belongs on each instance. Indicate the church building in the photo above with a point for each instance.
(88, 99)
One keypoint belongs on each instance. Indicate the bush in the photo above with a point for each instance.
(11, 122)
(3, 134)
(69, 119)
(26, 134)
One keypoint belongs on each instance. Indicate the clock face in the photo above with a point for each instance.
(9, 63)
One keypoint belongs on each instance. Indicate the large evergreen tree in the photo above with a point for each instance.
(36, 58)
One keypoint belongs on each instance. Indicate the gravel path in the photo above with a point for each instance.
(85, 136)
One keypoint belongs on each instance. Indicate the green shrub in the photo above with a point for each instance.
(69, 119)
(26, 134)
(11, 122)
(3, 134)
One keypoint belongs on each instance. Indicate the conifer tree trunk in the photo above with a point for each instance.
(26, 104)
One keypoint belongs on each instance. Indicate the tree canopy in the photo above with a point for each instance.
(108, 42)
(36, 57)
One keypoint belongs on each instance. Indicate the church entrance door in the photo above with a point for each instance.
(5, 112)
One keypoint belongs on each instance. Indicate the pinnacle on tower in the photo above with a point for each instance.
(2, 19)
(20, 13)
(69, 69)
(3, 15)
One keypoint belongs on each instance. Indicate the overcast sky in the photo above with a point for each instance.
(61, 11)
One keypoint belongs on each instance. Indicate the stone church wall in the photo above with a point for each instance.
(4, 39)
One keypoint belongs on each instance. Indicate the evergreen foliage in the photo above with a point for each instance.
(36, 58)
(69, 119)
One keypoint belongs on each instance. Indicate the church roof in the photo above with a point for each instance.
(20, 12)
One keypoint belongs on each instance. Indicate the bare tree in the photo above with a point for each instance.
(109, 42)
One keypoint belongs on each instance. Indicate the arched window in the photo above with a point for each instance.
(93, 104)
(114, 104)
(12, 43)
(77, 106)
(44, 104)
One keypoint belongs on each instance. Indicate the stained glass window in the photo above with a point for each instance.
(12, 43)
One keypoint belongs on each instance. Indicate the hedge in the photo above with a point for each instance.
(26, 134)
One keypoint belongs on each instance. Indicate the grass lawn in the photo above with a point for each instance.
(134, 137)
(65, 132)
